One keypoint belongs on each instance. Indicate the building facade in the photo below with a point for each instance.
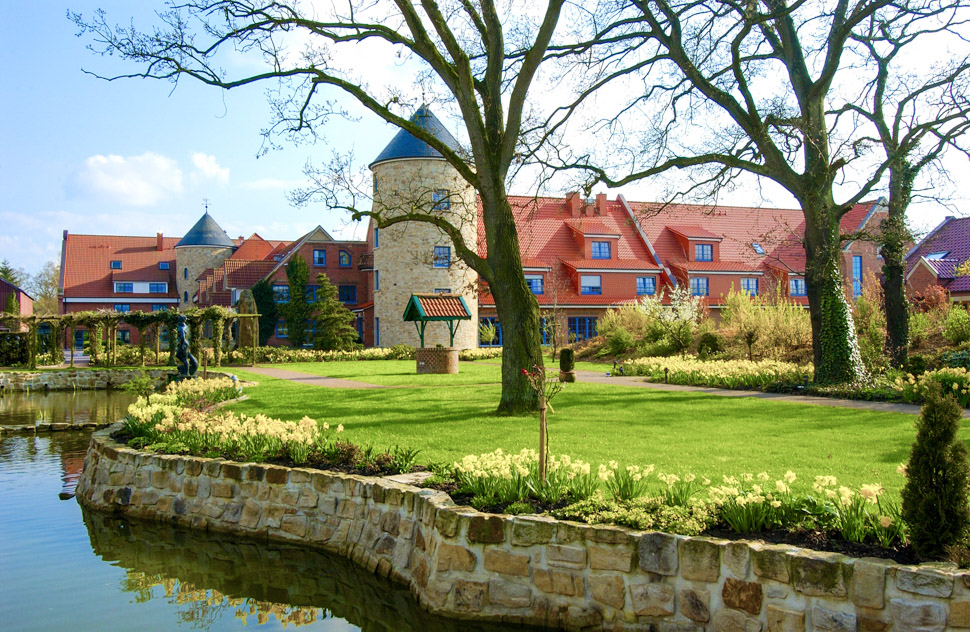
(934, 261)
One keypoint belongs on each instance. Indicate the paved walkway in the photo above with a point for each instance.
(640, 382)
(312, 380)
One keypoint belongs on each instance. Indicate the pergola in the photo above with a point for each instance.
(424, 308)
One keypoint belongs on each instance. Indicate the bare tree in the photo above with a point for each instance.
(916, 116)
(734, 88)
(485, 55)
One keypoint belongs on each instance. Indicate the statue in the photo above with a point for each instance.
(187, 364)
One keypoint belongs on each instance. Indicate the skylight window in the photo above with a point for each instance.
(940, 254)
(758, 248)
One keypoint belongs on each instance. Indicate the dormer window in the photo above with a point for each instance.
(601, 250)
(937, 255)
(703, 252)
(115, 265)
(163, 265)
(758, 248)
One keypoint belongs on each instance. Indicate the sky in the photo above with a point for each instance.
(137, 157)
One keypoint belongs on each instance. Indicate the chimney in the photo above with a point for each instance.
(159, 242)
(601, 204)
(574, 204)
(65, 235)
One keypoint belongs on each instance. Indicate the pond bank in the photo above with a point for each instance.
(527, 569)
(77, 379)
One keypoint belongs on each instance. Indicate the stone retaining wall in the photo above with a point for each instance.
(76, 379)
(529, 569)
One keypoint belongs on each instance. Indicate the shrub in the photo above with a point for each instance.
(401, 352)
(710, 344)
(677, 321)
(935, 495)
(745, 317)
(629, 317)
(920, 326)
(957, 359)
(870, 324)
(483, 353)
(642, 513)
(955, 381)
(933, 298)
(717, 373)
(567, 360)
(956, 327)
(620, 341)
(916, 364)
(143, 385)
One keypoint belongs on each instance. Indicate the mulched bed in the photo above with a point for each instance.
(823, 541)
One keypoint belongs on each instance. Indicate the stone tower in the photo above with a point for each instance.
(417, 257)
(205, 246)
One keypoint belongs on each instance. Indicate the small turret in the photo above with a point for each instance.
(205, 246)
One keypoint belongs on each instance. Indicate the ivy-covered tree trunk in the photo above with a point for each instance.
(893, 251)
(834, 342)
(218, 334)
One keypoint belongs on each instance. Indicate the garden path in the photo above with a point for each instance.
(639, 382)
(312, 380)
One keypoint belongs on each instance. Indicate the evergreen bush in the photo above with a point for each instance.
(935, 495)
(567, 360)
(710, 344)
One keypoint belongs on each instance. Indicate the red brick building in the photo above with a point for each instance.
(25, 303)
(934, 260)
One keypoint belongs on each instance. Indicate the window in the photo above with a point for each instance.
(490, 320)
(377, 332)
(115, 265)
(277, 257)
(377, 280)
(601, 250)
(124, 288)
(343, 259)
(185, 297)
(320, 258)
(282, 293)
(590, 284)
(122, 307)
(311, 293)
(159, 308)
(347, 294)
(758, 248)
(646, 286)
(157, 288)
(309, 333)
(281, 331)
(534, 281)
(360, 329)
(699, 286)
(703, 252)
(185, 274)
(796, 287)
(124, 336)
(442, 257)
(440, 200)
(937, 255)
(545, 329)
(377, 237)
(856, 276)
(163, 265)
(581, 328)
(442, 290)
(749, 285)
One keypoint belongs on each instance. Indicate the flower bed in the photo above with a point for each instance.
(732, 374)
(955, 381)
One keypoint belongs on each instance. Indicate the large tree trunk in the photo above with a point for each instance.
(834, 342)
(893, 251)
(518, 310)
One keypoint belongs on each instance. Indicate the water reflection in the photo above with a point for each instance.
(71, 407)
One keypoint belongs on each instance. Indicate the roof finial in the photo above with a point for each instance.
(205, 203)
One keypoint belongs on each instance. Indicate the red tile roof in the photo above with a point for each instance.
(694, 232)
(591, 226)
(441, 305)
(257, 249)
(245, 274)
(611, 264)
(715, 266)
(87, 271)
(952, 236)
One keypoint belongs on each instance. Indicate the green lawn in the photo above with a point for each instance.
(679, 432)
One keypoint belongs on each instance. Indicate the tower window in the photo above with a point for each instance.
(440, 199)
(185, 297)
(377, 280)
(442, 257)
(185, 274)
(377, 237)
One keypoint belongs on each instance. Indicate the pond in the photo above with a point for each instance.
(65, 568)
(99, 407)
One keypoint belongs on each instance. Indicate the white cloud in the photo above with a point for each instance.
(206, 168)
(134, 180)
(270, 184)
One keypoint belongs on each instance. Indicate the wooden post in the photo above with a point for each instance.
(70, 343)
(543, 446)
(255, 321)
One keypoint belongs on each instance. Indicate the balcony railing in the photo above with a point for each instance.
(365, 261)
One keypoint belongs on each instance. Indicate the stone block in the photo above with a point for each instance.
(609, 534)
(486, 530)
(508, 594)
(700, 560)
(299, 476)
(250, 514)
(275, 475)
(294, 525)
(308, 498)
(695, 604)
(733, 621)
(620, 558)
(784, 620)
(770, 562)
(531, 530)
(567, 556)
(453, 557)
(924, 581)
(221, 489)
(608, 589)
(914, 616)
(469, 595)
(446, 522)
(868, 585)
(742, 595)
(658, 553)
(959, 614)
(652, 600)
(561, 582)
(500, 561)
(232, 471)
(818, 574)
(824, 620)
(872, 620)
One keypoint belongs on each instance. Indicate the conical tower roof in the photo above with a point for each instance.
(206, 232)
(405, 145)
